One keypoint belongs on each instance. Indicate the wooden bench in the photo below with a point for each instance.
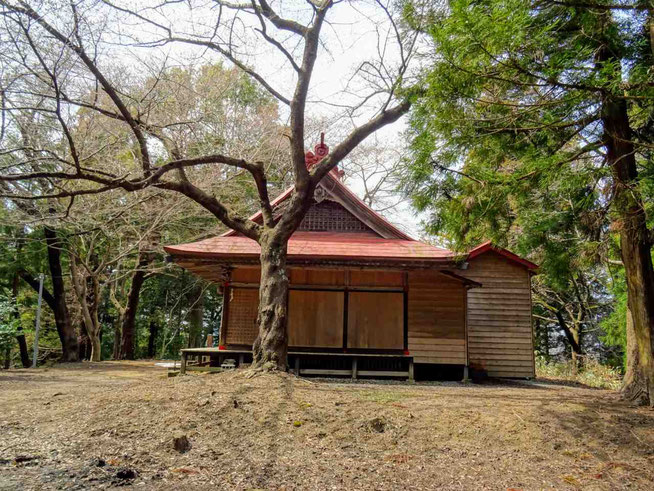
(354, 372)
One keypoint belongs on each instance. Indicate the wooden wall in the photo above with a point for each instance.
(375, 320)
(315, 318)
(436, 318)
(435, 312)
(499, 317)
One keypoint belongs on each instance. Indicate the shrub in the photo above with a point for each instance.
(8, 322)
(591, 372)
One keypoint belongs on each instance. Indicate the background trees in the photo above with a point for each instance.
(113, 114)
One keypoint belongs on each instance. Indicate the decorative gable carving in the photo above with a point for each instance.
(329, 216)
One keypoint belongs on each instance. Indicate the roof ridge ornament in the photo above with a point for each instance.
(321, 151)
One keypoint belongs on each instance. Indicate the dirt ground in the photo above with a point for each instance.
(113, 424)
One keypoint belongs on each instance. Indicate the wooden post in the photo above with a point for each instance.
(411, 378)
(182, 366)
(465, 374)
(297, 366)
(354, 368)
(241, 360)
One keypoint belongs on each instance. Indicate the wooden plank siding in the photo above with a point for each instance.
(315, 318)
(436, 318)
(500, 340)
(375, 320)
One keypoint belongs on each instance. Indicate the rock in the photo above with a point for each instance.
(24, 458)
(126, 474)
(181, 443)
(98, 462)
(235, 404)
(377, 425)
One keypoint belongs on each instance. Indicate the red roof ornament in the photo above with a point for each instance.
(321, 150)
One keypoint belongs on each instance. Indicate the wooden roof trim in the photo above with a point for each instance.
(350, 201)
(362, 211)
(466, 281)
(326, 263)
(489, 247)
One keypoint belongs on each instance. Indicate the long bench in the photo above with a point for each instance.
(354, 372)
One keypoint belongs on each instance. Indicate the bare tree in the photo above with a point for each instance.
(59, 62)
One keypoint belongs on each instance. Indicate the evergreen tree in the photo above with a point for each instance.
(536, 124)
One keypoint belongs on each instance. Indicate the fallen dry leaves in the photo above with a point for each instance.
(113, 424)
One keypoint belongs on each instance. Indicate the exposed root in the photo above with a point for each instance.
(636, 394)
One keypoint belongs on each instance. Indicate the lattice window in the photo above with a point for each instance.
(330, 216)
(242, 319)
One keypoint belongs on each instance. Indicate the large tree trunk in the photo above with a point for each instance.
(196, 317)
(129, 319)
(65, 329)
(270, 347)
(635, 248)
(96, 348)
(633, 384)
(87, 292)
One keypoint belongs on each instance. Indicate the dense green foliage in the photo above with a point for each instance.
(508, 144)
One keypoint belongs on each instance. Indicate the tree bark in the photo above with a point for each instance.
(87, 291)
(196, 317)
(574, 339)
(116, 349)
(96, 348)
(635, 248)
(129, 319)
(20, 335)
(152, 339)
(270, 347)
(65, 329)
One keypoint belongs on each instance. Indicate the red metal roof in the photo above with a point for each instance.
(488, 246)
(318, 245)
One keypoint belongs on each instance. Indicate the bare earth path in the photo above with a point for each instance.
(111, 424)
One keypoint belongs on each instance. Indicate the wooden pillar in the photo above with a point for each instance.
(241, 360)
(182, 367)
(411, 377)
(465, 374)
(354, 367)
(297, 366)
